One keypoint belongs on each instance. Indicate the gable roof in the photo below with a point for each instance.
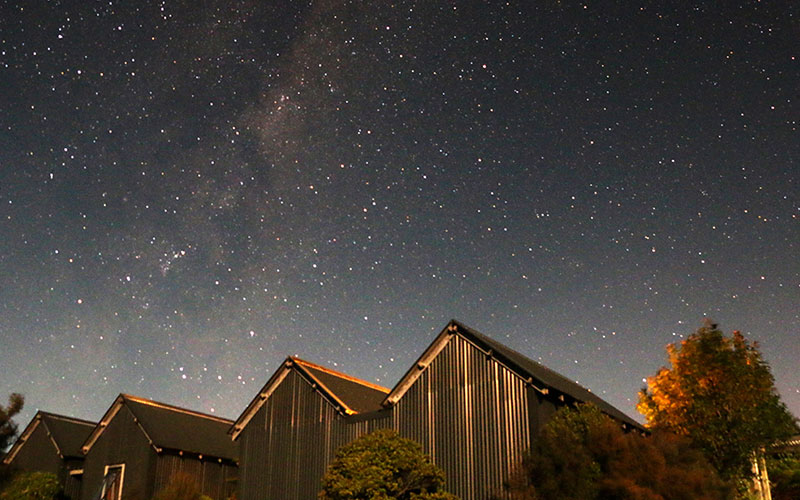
(169, 427)
(65, 433)
(543, 379)
(349, 395)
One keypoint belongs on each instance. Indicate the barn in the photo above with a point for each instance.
(52, 443)
(473, 403)
(290, 431)
(139, 445)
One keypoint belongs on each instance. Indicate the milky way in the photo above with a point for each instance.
(191, 192)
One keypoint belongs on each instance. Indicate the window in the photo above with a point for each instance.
(112, 482)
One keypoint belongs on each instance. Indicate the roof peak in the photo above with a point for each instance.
(515, 361)
(165, 406)
(341, 375)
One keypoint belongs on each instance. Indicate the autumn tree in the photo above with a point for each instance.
(582, 454)
(720, 393)
(382, 465)
(8, 428)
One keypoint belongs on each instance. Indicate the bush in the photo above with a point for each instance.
(581, 454)
(383, 466)
(33, 486)
(784, 476)
(181, 486)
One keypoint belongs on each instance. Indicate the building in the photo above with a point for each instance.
(290, 431)
(473, 404)
(139, 445)
(52, 443)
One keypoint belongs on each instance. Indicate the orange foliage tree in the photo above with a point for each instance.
(720, 393)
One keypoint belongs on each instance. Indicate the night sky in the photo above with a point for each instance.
(192, 191)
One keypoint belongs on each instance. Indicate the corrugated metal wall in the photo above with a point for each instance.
(39, 454)
(471, 415)
(72, 487)
(214, 479)
(287, 445)
(121, 443)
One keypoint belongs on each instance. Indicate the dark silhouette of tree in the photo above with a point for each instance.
(720, 393)
(8, 428)
(383, 465)
(581, 454)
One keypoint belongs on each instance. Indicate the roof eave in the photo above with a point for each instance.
(303, 368)
(23, 438)
(456, 328)
(421, 364)
(102, 424)
(258, 401)
(207, 457)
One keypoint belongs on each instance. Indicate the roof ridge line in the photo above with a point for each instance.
(335, 373)
(67, 418)
(166, 406)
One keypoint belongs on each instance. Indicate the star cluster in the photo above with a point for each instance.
(192, 192)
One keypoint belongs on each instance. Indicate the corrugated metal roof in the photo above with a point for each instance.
(527, 367)
(69, 433)
(358, 395)
(540, 376)
(173, 428)
(349, 395)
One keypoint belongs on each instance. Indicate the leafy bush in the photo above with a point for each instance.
(383, 466)
(33, 486)
(784, 476)
(581, 454)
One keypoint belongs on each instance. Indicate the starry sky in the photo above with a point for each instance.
(190, 192)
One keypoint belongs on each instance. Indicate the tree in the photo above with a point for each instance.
(720, 393)
(582, 454)
(8, 429)
(383, 466)
(33, 486)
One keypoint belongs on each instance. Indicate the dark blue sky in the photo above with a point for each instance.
(191, 192)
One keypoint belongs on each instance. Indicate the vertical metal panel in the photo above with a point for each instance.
(38, 453)
(471, 415)
(72, 487)
(213, 478)
(121, 442)
(474, 416)
(289, 442)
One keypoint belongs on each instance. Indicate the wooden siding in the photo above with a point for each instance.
(471, 414)
(289, 442)
(121, 442)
